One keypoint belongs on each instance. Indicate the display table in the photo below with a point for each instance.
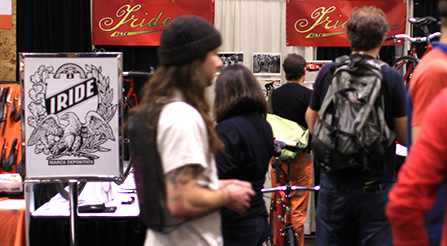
(13, 225)
(49, 224)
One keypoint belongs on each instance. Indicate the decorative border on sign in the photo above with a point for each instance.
(66, 135)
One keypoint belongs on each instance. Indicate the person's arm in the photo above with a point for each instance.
(422, 98)
(424, 87)
(400, 127)
(188, 195)
(311, 118)
(415, 190)
(321, 86)
(227, 160)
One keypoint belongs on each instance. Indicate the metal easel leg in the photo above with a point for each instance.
(29, 201)
(73, 201)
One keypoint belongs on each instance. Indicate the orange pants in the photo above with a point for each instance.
(300, 175)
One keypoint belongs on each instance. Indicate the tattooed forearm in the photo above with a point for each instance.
(183, 175)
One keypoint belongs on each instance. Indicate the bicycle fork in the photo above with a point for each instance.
(279, 220)
(283, 211)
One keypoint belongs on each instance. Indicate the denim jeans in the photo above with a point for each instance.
(434, 218)
(249, 232)
(349, 216)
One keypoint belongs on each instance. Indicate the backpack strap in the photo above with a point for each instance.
(339, 61)
(344, 59)
(149, 172)
(379, 65)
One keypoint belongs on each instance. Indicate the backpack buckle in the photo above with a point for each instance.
(372, 186)
(332, 131)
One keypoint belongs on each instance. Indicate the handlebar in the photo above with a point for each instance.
(281, 144)
(413, 39)
(137, 74)
(421, 22)
(290, 188)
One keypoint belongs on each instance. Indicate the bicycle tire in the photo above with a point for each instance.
(127, 158)
(409, 62)
(290, 238)
(129, 104)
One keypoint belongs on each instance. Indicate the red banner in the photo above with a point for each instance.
(140, 22)
(323, 22)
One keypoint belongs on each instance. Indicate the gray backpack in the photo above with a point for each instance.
(351, 130)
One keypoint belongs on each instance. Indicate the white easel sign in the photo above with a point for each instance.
(71, 104)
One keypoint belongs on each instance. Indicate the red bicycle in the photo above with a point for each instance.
(130, 101)
(282, 232)
(406, 64)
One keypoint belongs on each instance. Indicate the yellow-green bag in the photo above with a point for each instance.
(289, 132)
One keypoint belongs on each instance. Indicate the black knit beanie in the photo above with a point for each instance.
(186, 39)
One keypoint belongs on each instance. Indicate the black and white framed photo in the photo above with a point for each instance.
(267, 63)
(230, 58)
(268, 85)
(72, 106)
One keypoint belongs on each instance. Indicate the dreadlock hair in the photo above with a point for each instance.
(188, 79)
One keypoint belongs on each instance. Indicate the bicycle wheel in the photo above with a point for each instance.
(289, 238)
(405, 65)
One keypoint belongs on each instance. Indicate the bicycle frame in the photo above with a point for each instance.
(129, 80)
(399, 64)
(281, 200)
(281, 203)
(410, 61)
(131, 92)
(413, 53)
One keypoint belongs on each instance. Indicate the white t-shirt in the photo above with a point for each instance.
(182, 139)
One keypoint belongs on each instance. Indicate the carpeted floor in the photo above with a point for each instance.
(309, 240)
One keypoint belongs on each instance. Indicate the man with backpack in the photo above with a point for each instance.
(356, 112)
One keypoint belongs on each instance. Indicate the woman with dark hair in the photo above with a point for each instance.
(240, 109)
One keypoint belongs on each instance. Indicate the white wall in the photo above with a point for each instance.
(255, 26)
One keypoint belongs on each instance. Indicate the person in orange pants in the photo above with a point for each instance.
(300, 175)
(290, 101)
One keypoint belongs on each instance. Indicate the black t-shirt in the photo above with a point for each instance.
(248, 141)
(290, 101)
(394, 95)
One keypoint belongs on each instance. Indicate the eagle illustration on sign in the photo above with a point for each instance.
(73, 138)
(58, 131)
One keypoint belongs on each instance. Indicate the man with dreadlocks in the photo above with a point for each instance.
(173, 142)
